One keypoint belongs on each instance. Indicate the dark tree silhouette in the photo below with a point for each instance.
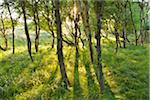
(13, 26)
(36, 22)
(60, 43)
(23, 6)
(98, 9)
(3, 30)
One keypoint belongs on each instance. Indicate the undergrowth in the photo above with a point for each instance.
(125, 73)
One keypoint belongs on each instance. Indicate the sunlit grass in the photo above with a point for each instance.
(125, 73)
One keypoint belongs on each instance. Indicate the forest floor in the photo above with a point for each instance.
(126, 74)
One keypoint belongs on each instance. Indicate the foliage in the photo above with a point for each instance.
(77, 25)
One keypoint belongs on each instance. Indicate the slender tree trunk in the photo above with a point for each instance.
(36, 27)
(82, 41)
(76, 20)
(87, 29)
(4, 35)
(26, 28)
(13, 28)
(124, 37)
(124, 32)
(85, 18)
(146, 23)
(134, 27)
(38, 30)
(117, 39)
(37, 23)
(76, 42)
(50, 21)
(59, 43)
(99, 4)
(118, 42)
(142, 21)
(53, 41)
(51, 30)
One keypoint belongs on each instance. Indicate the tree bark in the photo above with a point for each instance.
(13, 27)
(3, 30)
(59, 43)
(85, 18)
(53, 41)
(141, 4)
(36, 22)
(124, 37)
(117, 39)
(76, 37)
(99, 4)
(26, 28)
(134, 27)
(49, 20)
(124, 33)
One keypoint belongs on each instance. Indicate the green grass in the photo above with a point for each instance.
(126, 74)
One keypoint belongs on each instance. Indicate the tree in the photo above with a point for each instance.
(3, 31)
(98, 8)
(85, 17)
(49, 18)
(13, 25)
(23, 6)
(133, 23)
(60, 43)
(142, 6)
(36, 22)
(76, 20)
(124, 32)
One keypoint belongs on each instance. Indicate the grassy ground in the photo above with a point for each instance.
(126, 74)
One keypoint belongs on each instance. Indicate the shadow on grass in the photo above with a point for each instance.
(129, 70)
(53, 90)
(59, 92)
(92, 87)
(13, 66)
(77, 90)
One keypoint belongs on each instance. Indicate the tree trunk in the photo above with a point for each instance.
(117, 39)
(85, 18)
(141, 4)
(26, 28)
(4, 34)
(53, 41)
(98, 39)
(76, 20)
(76, 43)
(59, 43)
(50, 21)
(13, 28)
(38, 30)
(124, 37)
(37, 23)
(134, 27)
(124, 32)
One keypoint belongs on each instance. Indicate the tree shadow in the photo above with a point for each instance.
(93, 87)
(13, 65)
(124, 68)
(54, 90)
(59, 92)
(11, 69)
(77, 90)
(93, 91)
(108, 94)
